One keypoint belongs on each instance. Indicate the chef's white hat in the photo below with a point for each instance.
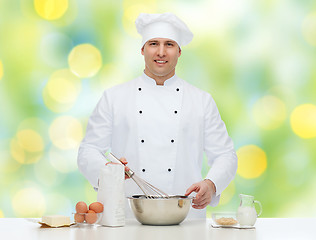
(165, 25)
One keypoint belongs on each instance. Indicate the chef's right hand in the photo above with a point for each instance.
(123, 160)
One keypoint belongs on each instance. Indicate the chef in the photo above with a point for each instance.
(161, 125)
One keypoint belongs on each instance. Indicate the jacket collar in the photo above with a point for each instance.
(150, 81)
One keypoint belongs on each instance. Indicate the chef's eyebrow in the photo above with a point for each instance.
(170, 41)
(155, 41)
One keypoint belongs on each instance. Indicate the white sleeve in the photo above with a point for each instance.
(219, 149)
(96, 141)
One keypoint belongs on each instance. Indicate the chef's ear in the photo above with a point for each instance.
(142, 50)
(180, 52)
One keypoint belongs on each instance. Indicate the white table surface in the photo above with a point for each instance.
(265, 228)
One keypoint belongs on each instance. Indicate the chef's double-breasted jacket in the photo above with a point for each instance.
(163, 132)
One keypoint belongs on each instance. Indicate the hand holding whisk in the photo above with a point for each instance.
(149, 190)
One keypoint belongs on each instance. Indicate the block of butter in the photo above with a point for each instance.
(56, 220)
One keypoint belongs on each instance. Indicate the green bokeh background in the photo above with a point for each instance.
(242, 51)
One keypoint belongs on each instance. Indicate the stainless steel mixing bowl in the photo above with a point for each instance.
(161, 211)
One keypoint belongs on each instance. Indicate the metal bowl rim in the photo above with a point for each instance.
(171, 197)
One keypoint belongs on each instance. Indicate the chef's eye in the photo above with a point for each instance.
(152, 44)
(170, 44)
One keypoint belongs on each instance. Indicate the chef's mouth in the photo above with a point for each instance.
(160, 61)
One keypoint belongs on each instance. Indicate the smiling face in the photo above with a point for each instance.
(161, 57)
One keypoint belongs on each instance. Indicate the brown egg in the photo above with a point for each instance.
(81, 207)
(91, 217)
(79, 217)
(96, 206)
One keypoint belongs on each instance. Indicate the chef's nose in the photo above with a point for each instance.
(161, 50)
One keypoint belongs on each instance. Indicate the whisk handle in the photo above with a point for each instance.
(114, 159)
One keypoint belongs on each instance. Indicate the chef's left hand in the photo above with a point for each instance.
(204, 192)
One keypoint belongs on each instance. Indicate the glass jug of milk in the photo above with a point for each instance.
(246, 213)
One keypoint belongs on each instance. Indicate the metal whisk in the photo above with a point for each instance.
(149, 190)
